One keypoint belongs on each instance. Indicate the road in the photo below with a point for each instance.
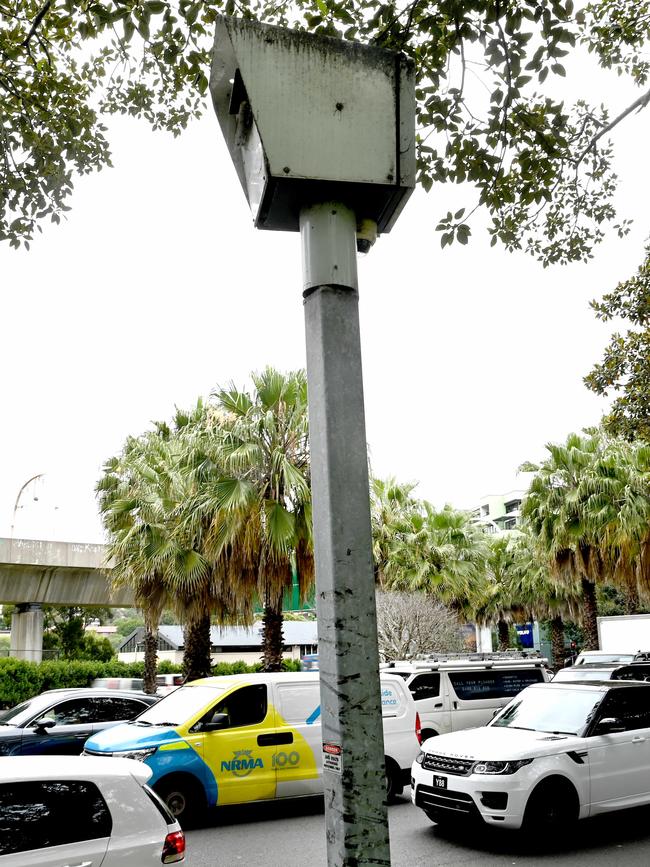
(291, 834)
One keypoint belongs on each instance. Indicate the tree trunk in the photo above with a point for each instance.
(589, 614)
(150, 660)
(272, 638)
(196, 658)
(503, 633)
(557, 642)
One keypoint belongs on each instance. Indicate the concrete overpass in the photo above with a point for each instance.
(35, 573)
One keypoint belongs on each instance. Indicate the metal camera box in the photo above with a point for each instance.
(311, 119)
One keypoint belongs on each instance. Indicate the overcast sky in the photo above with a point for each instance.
(157, 288)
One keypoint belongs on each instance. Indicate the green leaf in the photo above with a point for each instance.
(322, 6)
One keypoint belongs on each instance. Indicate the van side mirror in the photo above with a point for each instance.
(218, 721)
(609, 725)
(41, 725)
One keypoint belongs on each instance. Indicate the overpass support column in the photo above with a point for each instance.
(27, 632)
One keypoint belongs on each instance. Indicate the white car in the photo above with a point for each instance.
(557, 752)
(75, 810)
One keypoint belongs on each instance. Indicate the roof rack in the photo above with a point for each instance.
(518, 658)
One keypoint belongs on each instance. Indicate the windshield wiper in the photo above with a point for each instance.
(142, 722)
(521, 728)
(557, 733)
(164, 724)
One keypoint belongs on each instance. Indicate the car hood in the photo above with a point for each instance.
(496, 743)
(130, 737)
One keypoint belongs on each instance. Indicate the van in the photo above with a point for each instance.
(249, 737)
(462, 693)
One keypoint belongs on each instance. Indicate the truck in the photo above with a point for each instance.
(628, 633)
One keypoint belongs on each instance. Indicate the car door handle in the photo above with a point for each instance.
(80, 864)
(638, 740)
(439, 704)
(277, 738)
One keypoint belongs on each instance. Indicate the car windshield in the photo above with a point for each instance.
(556, 711)
(583, 673)
(180, 705)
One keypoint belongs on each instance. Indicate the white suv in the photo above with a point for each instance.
(557, 752)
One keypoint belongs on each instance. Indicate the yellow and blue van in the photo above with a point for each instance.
(248, 737)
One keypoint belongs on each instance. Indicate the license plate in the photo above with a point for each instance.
(440, 782)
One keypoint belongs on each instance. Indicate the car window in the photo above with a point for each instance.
(425, 685)
(109, 708)
(632, 672)
(493, 683)
(631, 706)
(75, 711)
(244, 707)
(36, 815)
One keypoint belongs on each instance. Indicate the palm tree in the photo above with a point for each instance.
(157, 546)
(569, 532)
(391, 506)
(439, 552)
(261, 500)
(536, 595)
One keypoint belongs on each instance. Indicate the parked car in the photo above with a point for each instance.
(249, 737)
(58, 810)
(557, 752)
(119, 683)
(166, 683)
(579, 674)
(607, 657)
(462, 692)
(61, 720)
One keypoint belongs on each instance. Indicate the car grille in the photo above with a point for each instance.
(445, 800)
(459, 767)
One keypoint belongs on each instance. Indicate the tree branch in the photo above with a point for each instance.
(641, 102)
(35, 24)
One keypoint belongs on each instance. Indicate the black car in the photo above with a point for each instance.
(61, 720)
(584, 673)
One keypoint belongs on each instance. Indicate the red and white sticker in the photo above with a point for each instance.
(332, 759)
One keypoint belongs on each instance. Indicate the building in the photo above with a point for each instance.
(228, 644)
(499, 512)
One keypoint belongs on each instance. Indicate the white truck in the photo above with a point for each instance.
(629, 633)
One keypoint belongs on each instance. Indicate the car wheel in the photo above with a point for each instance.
(552, 808)
(394, 785)
(183, 799)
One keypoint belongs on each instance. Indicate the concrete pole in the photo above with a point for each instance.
(353, 745)
(26, 641)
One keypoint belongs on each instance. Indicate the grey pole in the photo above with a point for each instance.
(353, 743)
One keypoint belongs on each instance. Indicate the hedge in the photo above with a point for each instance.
(20, 680)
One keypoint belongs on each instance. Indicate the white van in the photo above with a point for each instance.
(249, 737)
(455, 694)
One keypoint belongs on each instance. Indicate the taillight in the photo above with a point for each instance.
(418, 727)
(173, 848)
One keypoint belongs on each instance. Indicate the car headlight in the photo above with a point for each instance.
(499, 767)
(420, 757)
(138, 755)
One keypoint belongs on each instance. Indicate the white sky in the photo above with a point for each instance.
(157, 289)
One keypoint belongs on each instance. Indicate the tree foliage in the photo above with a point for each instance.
(486, 113)
(625, 368)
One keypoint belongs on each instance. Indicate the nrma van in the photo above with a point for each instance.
(249, 737)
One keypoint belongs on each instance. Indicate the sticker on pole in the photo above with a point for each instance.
(332, 760)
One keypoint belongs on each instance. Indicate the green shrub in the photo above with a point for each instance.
(20, 680)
